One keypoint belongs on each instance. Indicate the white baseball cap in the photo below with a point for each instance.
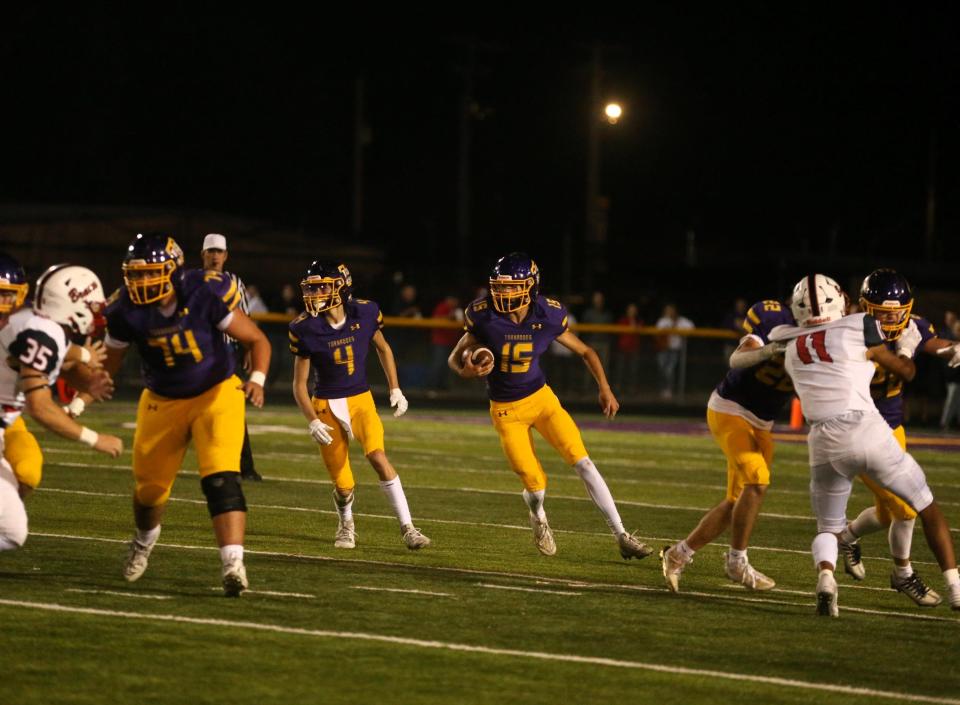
(214, 241)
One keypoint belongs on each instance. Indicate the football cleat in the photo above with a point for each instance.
(543, 536)
(913, 587)
(631, 548)
(672, 565)
(748, 576)
(852, 559)
(346, 536)
(955, 596)
(827, 595)
(136, 563)
(234, 578)
(413, 538)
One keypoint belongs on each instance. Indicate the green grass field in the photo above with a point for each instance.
(479, 617)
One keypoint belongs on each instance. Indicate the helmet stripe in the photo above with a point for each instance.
(45, 277)
(812, 289)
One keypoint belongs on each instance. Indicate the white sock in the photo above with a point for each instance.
(398, 500)
(600, 494)
(148, 537)
(901, 537)
(866, 522)
(344, 506)
(683, 548)
(952, 577)
(903, 571)
(735, 556)
(825, 549)
(534, 502)
(231, 552)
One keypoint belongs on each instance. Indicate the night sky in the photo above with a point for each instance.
(796, 133)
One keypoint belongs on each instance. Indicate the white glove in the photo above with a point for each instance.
(909, 340)
(953, 353)
(321, 432)
(75, 407)
(399, 401)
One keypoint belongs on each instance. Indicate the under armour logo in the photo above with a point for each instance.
(152, 407)
(354, 326)
(501, 413)
(536, 326)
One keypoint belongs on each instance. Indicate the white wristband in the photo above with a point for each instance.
(258, 377)
(88, 436)
(85, 355)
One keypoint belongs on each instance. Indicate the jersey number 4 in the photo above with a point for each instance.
(344, 356)
(819, 343)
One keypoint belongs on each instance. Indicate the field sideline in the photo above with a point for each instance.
(479, 617)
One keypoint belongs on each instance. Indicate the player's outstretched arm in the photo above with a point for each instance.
(248, 334)
(902, 367)
(608, 402)
(752, 352)
(42, 408)
(389, 365)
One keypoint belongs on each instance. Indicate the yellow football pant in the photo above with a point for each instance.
(748, 449)
(165, 426)
(514, 420)
(889, 506)
(367, 428)
(23, 453)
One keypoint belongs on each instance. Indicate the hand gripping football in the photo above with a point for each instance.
(479, 355)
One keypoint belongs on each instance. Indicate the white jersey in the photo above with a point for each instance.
(28, 340)
(828, 364)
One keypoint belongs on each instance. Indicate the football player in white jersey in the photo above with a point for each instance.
(33, 349)
(830, 358)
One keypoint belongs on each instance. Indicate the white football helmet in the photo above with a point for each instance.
(71, 296)
(817, 299)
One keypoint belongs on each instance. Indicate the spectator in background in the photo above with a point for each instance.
(627, 360)
(565, 367)
(670, 348)
(597, 314)
(290, 301)
(405, 305)
(255, 302)
(442, 341)
(948, 330)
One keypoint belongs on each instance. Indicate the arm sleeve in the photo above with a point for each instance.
(35, 349)
(872, 333)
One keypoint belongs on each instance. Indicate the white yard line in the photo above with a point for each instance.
(494, 586)
(139, 595)
(272, 593)
(698, 673)
(455, 522)
(409, 592)
(503, 574)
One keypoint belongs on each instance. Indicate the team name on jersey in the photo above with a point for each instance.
(340, 341)
(518, 336)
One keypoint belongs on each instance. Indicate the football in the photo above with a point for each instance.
(479, 355)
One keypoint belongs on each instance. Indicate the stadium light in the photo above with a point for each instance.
(613, 111)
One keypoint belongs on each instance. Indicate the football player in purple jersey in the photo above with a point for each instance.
(177, 319)
(333, 337)
(886, 295)
(740, 415)
(518, 325)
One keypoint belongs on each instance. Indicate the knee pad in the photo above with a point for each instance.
(223, 493)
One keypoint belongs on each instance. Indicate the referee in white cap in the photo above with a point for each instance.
(214, 255)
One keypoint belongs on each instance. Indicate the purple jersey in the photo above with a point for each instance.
(762, 389)
(184, 354)
(516, 347)
(338, 355)
(887, 389)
